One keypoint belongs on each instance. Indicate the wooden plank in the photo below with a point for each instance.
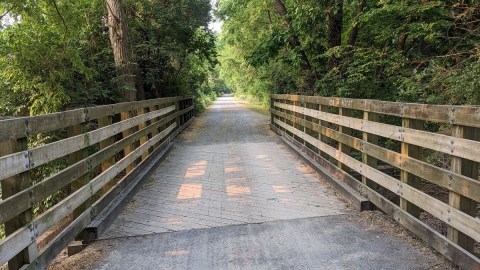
(408, 150)
(356, 200)
(109, 207)
(19, 239)
(345, 130)
(431, 237)
(23, 200)
(459, 147)
(142, 126)
(103, 220)
(10, 187)
(461, 115)
(461, 184)
(27, 126)
(455, 218)
(74, 158)
(373, 139)
(104, 122)
(456, 200)
(51, 251)
(14, 164)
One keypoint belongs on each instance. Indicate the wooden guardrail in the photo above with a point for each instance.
(363, 136)
(98, 147)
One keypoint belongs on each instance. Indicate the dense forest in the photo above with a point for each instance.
(60, 54)
(402, 50)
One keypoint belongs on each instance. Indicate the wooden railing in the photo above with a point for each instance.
(90, 151)
(421, 145)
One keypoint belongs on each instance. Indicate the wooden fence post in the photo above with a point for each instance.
(322, 138)
(142, 126)
(345, 130)
(272, 107)
(103, 122)
(411, 151)
(178, 119)
(468, 168)
(10, 187)
(368, 160)
(129, 148)
(74, 158)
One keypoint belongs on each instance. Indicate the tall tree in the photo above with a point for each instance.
(335, 28)
(352, 37)
(294, 41)
(119, 39)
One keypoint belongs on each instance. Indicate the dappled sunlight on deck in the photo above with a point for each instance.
(190, 191)
(237, 190)
(174, 253)
(220, 184)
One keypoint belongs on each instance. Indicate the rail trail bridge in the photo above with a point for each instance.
(145, 186)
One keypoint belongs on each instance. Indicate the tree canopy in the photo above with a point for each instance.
(56, 54)
(408, 50)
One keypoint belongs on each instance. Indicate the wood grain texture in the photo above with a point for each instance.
(455, 218)
(23, 239)
(456, 182)
(460, 115)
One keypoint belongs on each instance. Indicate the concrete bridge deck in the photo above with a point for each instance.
(230, 195)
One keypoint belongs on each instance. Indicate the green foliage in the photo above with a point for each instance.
(55, 54)
(407, 50)
(49, 56)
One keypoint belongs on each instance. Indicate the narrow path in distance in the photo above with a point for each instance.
(230, 195)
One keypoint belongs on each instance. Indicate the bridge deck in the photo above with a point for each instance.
(229, 169)
(226, 169)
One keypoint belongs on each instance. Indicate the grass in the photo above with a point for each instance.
(252, 103)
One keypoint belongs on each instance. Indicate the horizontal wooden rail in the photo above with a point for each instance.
(21, 127)
(123, 142)
(319, 124)
(453, 114)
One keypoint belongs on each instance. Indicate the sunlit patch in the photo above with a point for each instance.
(236, 180)
(195, 171)
(261, 156)
(190, 191)
(233, 169)
(174, 221)
(173, 253)
(237, 190)
(281, 189)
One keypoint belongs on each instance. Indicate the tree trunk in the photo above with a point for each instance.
(335, 28)
(352, 38)
(335, 23)
(118, 30)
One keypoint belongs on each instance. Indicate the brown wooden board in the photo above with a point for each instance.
(460, 115)
(25, 199)
(20, 127)
(455, 218)
(461, 184)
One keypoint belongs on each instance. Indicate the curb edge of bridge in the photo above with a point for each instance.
(353, 197)
(126, 189)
